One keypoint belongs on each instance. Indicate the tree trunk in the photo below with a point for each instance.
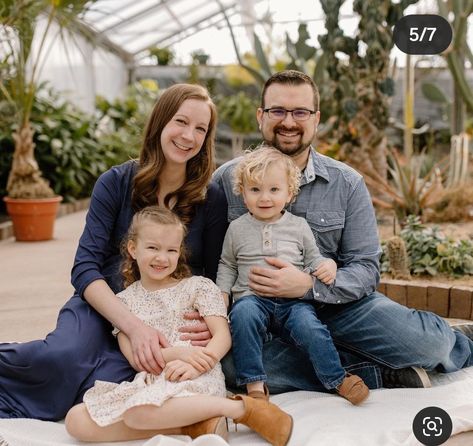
(25, 180)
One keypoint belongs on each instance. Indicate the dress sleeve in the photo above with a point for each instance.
(94, 244)
(125, 297)
(215, 227)
(208, 298)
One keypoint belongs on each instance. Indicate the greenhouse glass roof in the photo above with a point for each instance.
(135, 25)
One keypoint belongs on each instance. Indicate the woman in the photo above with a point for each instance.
(44, 379)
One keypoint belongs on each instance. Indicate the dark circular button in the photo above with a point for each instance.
(422, 34)
(432, 426)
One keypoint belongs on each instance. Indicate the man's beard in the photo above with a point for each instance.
(288, 150)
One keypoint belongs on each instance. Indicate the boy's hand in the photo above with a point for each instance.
(326, 271)
(178, 370)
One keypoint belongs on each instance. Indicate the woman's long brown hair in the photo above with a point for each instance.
(199, 169)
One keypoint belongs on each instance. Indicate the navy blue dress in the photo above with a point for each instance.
(43, 379)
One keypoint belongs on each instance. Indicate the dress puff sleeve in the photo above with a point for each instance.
(208, 300)
(126, 296)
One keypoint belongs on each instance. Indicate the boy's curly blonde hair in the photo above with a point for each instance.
(254, 165)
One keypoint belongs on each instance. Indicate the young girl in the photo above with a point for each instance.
(190, 391)
(269, 181)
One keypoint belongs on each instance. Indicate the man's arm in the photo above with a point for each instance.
(358, 253)
(358, 257)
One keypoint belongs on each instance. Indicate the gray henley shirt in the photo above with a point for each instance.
(248, 241)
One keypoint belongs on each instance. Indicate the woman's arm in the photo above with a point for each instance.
(144, 340)
(97, 255)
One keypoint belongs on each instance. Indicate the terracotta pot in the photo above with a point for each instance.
(33, 219)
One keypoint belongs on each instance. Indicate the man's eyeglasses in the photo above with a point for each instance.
(298, 114)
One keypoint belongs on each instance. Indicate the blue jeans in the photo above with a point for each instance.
(252, 317)
(369, 333)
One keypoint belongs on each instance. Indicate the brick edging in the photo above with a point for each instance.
(452, 301)
(6, 228)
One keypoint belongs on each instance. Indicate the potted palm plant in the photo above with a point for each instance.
(30, 201)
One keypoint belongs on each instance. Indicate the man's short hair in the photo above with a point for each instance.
(292, 77)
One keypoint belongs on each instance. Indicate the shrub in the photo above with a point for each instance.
(454, 205)
(431, 252)
(68, 149)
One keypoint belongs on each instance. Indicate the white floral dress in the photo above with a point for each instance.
(162, 309)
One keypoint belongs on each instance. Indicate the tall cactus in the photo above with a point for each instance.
(358, 97)
(457, 12)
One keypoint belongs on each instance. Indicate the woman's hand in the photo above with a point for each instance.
(198, 334)
(178, 370)
(201, 358)
(146, 343)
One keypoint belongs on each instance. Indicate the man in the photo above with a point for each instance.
(385, 343)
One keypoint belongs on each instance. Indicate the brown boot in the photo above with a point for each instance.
(266, 419)
(216, 425)
(260, 395)
(353, 389)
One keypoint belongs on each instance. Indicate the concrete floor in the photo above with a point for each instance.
(35, 280)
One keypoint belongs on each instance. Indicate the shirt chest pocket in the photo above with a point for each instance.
(327, 227)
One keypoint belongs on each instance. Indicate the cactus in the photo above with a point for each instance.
(398, 258)
(359, 90)
(457, 12)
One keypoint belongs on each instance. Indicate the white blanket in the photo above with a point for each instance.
(319, 419)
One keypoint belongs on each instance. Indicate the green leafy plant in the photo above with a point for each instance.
(410, 189)
(18, 86)
(161, 56)
(431, 252)
(200, 57)
(122, 121)
(238, 111)
(68, 148)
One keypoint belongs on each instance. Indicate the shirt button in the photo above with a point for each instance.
(322, 219)
(317, 294)
(266, 242)
(338, 301)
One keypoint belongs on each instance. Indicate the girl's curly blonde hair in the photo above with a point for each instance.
(159, 216)
(254, 164)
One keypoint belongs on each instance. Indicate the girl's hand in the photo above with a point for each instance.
(146, 343)
(198, 334)
(201, 358)
(178, 371)
(326, 271)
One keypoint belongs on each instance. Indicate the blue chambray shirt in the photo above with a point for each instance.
(334, 200)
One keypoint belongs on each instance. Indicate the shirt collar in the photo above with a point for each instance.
(314, 168)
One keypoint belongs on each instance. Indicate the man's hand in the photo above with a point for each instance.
(146, 343)
(287, 281)
(178, 370)
(198, 334)
(201, 358)
(326, 271)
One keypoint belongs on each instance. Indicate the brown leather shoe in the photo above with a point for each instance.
(353, 389)
(216, 425)
(266, 419)
(260, 395)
